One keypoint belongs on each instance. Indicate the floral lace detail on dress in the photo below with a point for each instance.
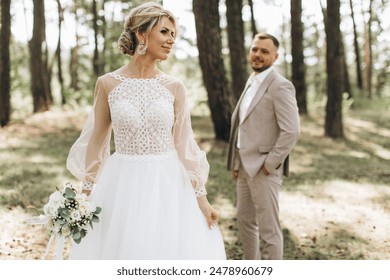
(200, 191)
(142, 114)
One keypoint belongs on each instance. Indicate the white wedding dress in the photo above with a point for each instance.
(147, 188)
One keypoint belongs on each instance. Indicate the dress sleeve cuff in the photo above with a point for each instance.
(200, 191)
(87, 186)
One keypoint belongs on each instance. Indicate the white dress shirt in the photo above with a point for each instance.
(249, 94)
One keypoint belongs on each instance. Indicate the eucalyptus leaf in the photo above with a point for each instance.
(61, 222)
(70, 193)
(77, 235)
(95, 219)
(64, 212)
(98, 210)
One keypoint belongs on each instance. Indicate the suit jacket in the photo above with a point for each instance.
(269, 130)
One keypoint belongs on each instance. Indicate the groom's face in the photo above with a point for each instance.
(262, 55)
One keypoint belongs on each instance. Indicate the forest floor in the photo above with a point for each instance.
(335, 205)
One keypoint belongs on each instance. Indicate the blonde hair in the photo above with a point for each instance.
(141, 19)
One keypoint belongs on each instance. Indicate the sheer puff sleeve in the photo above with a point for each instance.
(193, 159)
(91, 149)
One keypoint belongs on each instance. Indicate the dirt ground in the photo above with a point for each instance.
(314, 223)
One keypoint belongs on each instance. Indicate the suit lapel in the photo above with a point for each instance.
(260, 92)
(235, 114)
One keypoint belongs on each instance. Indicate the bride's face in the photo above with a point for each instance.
(161, 39)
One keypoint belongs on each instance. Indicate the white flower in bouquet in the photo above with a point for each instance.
(75, 215)
(56, 197)
(68, 213)
(54, 228)
(81, 196)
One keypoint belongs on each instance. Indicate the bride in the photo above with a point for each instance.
(152, 188)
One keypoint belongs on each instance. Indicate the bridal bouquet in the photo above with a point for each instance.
(69, 213)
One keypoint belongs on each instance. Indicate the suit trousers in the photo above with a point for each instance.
(258, 214)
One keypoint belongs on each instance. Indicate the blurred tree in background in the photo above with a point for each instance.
(5, 68)
(35, 76)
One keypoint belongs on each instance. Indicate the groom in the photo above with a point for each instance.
(265, 127)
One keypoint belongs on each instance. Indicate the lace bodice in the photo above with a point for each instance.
(142, 114)
(148, 117)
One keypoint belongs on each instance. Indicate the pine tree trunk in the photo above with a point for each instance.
(58, 52)
(210, 57)
(253, 22)
(368, 53)
(5, 65)
(334, 68)
(73, 65)
(359, 75)
(347, 83)
(236, 41)
(298, 64)
(104, 29)
(74, 57)
(40, 83)
(95, 62)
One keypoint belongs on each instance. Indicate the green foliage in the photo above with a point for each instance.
(69, 193)
(64, 212)
(98, 210)
(95, 219)
(20, 67)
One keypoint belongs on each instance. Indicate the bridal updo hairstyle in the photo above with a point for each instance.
(141, 19)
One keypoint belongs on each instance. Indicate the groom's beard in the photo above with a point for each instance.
(261, 69)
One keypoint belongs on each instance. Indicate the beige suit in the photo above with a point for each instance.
(268, 133)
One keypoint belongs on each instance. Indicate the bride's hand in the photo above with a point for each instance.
(86, 192)
(208, 211)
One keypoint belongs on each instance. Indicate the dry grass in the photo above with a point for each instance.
(334, 206)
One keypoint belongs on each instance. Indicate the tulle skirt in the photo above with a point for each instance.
(149, 212)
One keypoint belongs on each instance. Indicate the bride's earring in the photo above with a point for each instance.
(141, 49)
